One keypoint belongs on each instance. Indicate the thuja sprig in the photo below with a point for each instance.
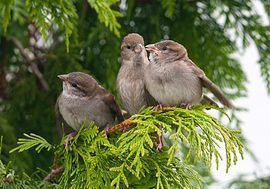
(130, 158)
(32, 140)
(92, 160)
(201, 132)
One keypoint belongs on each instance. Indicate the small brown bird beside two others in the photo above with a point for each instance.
(84, 100)
(130, 79)
(173, 79)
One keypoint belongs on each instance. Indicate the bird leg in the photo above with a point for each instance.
(69, 137)
(159, 107)
(106, 130)
(159, 143)
(186, 105)
(159, 139)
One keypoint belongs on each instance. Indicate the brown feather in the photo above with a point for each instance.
(133, 38)
(170, 62)
(207, 83)
(110, 101)
(216, 91)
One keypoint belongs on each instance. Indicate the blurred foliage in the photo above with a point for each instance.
(11, 179)
(211, 31)
(244, 183)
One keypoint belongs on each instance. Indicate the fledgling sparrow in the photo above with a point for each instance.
(173, 79)
(130, 79)
(83, 99)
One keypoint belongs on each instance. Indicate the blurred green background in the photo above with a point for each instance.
(41, 39)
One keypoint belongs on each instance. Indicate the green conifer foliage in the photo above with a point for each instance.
(130, 158)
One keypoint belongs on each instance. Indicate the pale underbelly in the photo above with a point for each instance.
(173, 94)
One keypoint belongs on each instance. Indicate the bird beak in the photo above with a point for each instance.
(122, 45)
(152, 48)
(138, 48)
(63, 77)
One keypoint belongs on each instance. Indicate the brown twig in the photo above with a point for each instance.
(43, 58)
(123, 125)
(54, 172)
(30, 63)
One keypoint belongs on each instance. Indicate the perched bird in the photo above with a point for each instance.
(83, 99)
(173, 79)
(130, 79)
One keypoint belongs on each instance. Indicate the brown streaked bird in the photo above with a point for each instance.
(173, 79)
(83, 99)
(130, 79)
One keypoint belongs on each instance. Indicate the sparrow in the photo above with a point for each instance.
(130, 79)
(173, 79)
(84, 100)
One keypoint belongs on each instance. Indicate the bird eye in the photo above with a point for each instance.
(164, 48)
(74, 85)
(128, 47)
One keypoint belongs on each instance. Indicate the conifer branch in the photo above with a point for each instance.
(107, 15)
(32, 140)
(129, 157)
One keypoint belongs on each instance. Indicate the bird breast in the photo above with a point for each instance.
(75, 110)
(173, 83)
(131, 89)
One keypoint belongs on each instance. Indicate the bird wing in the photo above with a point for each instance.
(207, 83)
(109, 100)
(149, 98)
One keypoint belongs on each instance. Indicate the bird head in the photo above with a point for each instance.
(78, 84)
(166, 51)
(132, 49)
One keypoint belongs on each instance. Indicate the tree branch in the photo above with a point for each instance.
(123, 126)
(29, 62)
(54, 172)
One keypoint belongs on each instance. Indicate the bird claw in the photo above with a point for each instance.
(68, 139)
(159, 144)
(124, 129)
(159, 141)
(186, 105)
(106, 131)
(159, 107)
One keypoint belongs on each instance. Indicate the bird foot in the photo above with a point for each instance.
(68, 139)
(106, 131)
(159, 139)
(159, 143)
(159, 107)
(186, 105)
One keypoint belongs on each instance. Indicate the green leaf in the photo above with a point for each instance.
(106, 15)
(31, 141)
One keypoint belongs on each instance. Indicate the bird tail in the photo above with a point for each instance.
(217, 92)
